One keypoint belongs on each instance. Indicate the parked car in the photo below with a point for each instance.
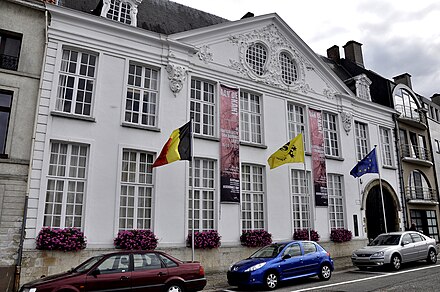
(282, 261)
(395, 248)
(126, 271)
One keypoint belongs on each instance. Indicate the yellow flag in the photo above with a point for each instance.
(291, 152)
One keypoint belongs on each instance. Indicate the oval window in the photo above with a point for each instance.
(289, 73)
(256, 57)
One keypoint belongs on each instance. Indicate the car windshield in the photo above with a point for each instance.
(386, 239)
(269, 251)
(88, 264)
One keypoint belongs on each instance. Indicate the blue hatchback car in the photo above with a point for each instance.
(282, 261)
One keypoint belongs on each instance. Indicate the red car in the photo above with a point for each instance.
(126, 271)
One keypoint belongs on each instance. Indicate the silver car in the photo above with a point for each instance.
(395, 248)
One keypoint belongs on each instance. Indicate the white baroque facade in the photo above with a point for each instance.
(113, 93)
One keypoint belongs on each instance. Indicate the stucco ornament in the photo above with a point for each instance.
(275, 43)
(204, 54)
(176, 75)
(346, 121)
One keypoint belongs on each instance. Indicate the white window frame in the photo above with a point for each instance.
(136, 190)
(251, 118)
(252, 197)
(257, 56)
(203, 107)
(300, 200)
(361, 132)
(66, 185)
(79, 79)
(386, 143)
(296, 119)
(336, 205)
(124, 11)
(204, 194)
(331, 134)
(142, 96)
(289, 70)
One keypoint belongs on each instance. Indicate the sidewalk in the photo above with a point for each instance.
(217, 281)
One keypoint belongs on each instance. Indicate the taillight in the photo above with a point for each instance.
(201, 271)
(328, 254)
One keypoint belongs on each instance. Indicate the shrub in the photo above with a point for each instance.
(64, 239)
(340, 235)
(204, 239)
(136, 239)
(255, 238)
(303, 234)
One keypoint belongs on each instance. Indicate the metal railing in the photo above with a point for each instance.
(416, 152)
(8, 62)
(421, 193)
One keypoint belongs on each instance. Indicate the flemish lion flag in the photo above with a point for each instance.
(291, 152)
(178, 146)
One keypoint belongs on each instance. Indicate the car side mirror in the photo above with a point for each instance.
(405, 242)
(95, 273)
(286, 256)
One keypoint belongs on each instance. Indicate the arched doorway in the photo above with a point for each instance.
(374, 210)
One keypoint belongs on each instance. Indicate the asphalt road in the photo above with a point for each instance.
(419, 277)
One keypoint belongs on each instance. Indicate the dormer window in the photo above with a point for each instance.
(362, 84)
(124, 11)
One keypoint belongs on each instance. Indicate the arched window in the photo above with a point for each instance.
(405, 104)
(289, 72)
(256, 58)
(419, 188)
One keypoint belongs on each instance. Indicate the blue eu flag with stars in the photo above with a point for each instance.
(366, 165)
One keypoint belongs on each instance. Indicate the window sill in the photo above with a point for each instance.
(244, 143)
(72, 116)
(210, 138)
(334, 158)
(389, 167)
(141, 127)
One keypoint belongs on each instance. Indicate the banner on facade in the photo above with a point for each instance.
(229, 145)
(318, 158)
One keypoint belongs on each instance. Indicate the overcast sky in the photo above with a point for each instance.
(397, 36)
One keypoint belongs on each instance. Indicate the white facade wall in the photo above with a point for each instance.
(105, 133)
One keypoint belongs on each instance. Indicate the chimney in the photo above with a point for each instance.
(353, 52)
(333, 53)
(404, 78)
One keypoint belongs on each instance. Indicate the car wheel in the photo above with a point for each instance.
(396, 262)
(271, 280)
(174, 287)
(325, 273)
(432, 257)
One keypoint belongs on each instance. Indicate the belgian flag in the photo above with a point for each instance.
(178, 146)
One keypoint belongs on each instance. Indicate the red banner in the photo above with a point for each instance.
(229, 145)
(318, 158)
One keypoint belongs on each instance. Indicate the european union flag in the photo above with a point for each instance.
(366, 165)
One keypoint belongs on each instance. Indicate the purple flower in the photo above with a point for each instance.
(64, 239)
(136, 239)
(340, 235)
(303, 234)
(255, 238)
(204, 239)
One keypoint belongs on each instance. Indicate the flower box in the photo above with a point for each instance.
(303, 234)
(134, 239)
(255, 238)
(63, 239)
(204, 239)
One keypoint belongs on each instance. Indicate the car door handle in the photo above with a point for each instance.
(162, 274)
(123, 278)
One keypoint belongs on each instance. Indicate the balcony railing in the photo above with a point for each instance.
(412, 116)
(416, 153)
(421, 193)
(8, 62)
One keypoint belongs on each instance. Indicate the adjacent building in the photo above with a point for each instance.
(22, 44)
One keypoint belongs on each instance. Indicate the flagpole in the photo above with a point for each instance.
(308, 193)
(192, 188)
(381, 192)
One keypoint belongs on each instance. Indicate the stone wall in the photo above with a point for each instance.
(37, 263)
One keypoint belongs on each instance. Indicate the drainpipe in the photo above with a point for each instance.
(399, 166)
(23, 223)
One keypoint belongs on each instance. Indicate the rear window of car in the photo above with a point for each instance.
(169, 263)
